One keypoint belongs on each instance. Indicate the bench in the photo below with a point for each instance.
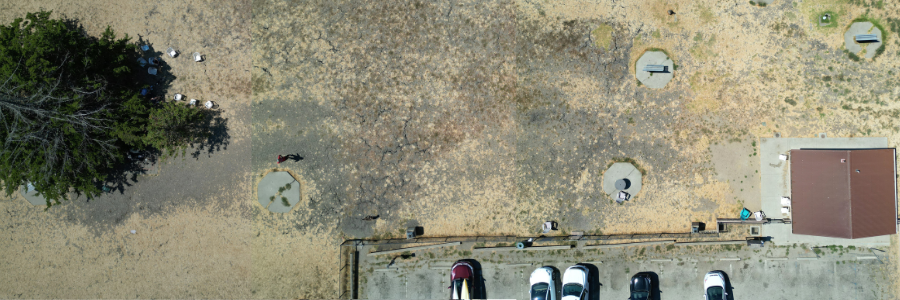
(655, 68)
(866, 38)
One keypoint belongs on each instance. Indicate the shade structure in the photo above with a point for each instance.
(843, 193)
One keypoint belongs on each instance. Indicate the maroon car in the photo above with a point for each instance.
(461, 279)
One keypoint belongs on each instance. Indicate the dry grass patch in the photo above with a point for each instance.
(602, 36)
(708, 87)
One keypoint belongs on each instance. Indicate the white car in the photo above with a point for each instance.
(714, 286)
(575, 283)
(543, 287)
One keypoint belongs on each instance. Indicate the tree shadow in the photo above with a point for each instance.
(593, 281)
(215, 130)
(125, 173)
(164, 77)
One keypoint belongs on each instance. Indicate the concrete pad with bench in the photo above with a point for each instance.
(862, 28)
(775, 177)
(656, 79)
(618, 171)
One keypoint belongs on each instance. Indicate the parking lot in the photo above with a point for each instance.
(786, 272)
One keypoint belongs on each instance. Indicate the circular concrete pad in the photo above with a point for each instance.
(654, 80)
(619, 171)
(269, 187)
(32, 196)
(862, 28)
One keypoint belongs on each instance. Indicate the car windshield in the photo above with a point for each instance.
(539, 291)
(715, 293)
(457, 289)
(639, 295)
(572, 289)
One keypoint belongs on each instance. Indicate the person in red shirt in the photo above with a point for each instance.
(281, 159)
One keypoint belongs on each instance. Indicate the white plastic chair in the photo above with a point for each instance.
(198, 57)
(193, 102)
(759, 215)
(179, 97)
(171, 52)
(785, 201)
(211, 105)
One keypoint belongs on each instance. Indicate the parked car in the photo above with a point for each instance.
(575, 283)
(543, 287)
(714, 286)
(461, 279)
(641, 287)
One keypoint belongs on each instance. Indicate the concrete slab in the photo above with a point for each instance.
(862, 28)
(654, 80)
(269, 187)
(32, 196)
(775, 183)
(618, 171)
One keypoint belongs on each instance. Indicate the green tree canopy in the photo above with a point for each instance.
(70, 103)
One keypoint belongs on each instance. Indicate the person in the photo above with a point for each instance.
(281, 159)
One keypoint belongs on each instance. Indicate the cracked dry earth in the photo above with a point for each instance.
(473, 118)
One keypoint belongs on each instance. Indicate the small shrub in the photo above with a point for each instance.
(826, 78)
(752, 3)
(761, 4)
(790, 101)
(853, 56)
(280, 189)
(287, 186)
(285, 202)
(272, 198)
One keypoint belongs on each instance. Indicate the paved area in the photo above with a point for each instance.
(862, 28)
(621, 171)
(276, 185)
(654, 80)
(776, 182)
(773, 272)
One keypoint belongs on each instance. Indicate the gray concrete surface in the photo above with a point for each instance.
(862, 28)
(654, 80)
(32, 196)
(773, 273)
(775, 182)
(269, 186)
(618, 171)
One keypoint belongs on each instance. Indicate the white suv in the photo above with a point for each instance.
(714, 286)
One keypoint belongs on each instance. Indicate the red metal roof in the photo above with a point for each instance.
(843, 193)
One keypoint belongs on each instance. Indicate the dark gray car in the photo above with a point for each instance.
(641, 287)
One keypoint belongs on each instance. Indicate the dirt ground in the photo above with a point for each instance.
(193, 226)
(472, 118)
(463, 117)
